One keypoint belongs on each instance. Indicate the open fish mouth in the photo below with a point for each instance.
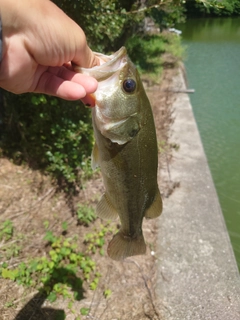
(108, 67)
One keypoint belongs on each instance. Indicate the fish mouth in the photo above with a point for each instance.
(110, 61)
(110, 65)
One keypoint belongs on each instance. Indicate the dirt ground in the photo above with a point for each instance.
(28, 199)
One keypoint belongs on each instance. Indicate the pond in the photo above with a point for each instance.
(213, 70)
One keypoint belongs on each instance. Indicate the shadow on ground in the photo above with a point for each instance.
(34, 309)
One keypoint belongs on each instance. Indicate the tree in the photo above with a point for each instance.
(109, 23)
(213, 7)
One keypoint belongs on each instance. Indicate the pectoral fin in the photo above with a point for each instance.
(105, 210)
(95, 157)
(156, 208)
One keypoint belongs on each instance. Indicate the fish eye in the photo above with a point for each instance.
(129, 85)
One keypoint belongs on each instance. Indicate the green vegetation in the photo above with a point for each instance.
(85, 214)
(107, 293)
(148, 52)
(49, 134)
(117, 20)
(64, 270)
(84, 311)
(11, 243)
(212, 7)
(96, 240)
(6, 230)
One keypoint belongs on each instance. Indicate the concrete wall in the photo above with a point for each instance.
(198, 275)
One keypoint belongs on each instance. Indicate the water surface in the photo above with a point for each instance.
(213, 70)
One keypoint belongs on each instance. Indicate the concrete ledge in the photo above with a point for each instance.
(198, 274)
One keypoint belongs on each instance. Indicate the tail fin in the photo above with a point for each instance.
(121, 246)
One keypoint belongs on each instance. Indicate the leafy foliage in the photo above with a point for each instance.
(115, 21)
(49, 134)
(107, 293)
(213, 7)
(58, 272)
(85, 214)
(103, 21)
(166, 13)
(84, 311)
(6, 230)
(145, 51)
(96, 240)
(11, 243)
(63, 269)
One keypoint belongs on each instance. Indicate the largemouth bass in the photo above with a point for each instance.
(126, 151)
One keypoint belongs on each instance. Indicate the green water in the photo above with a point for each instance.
(213, 70)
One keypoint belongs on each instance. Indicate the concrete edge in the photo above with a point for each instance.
(198, 275)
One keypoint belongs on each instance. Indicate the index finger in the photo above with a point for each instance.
(66, 84)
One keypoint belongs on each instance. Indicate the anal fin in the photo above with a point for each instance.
(105, 210)
(156, 208)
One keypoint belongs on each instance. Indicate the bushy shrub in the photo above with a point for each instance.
(48, 133)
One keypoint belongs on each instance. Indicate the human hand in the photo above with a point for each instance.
(39, 44)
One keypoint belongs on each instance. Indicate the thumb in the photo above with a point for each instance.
(88, 59)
